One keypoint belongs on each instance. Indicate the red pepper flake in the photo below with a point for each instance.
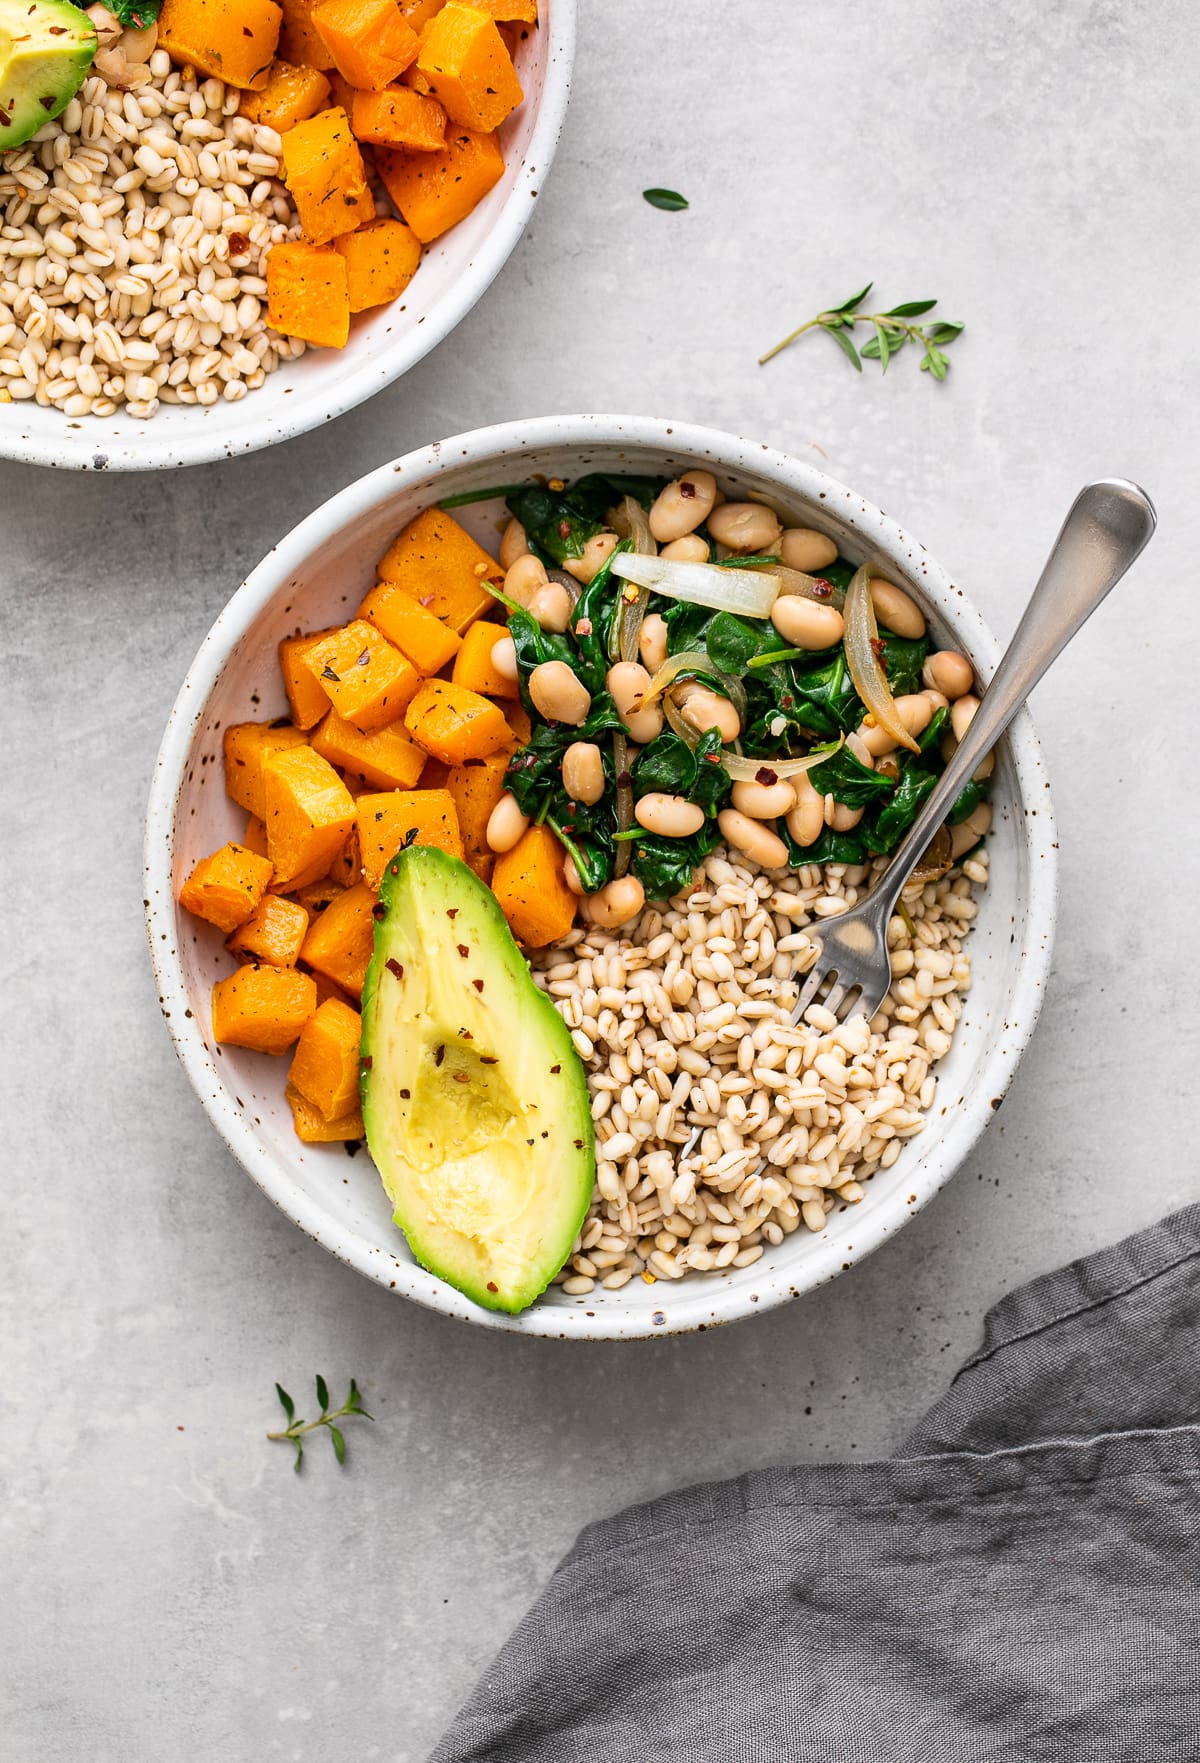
(584, 628)
(394, 967)
(624, 780)
(463, 950)
(488, 1059)
(439, 1055)
(878, 647)
(564, 529)
(366, 1062)
(764, 775)
(687, 490)
(491, 1286)
(554, 1070)
(478, 984)
(821, 589)
(405, 1094)
(239, 244)
(379, 912)
(461, 1077)
(579, 1144)
(452, 912)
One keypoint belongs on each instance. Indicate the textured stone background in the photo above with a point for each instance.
(170, 1589)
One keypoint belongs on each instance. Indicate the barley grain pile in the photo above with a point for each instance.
(684, 1020)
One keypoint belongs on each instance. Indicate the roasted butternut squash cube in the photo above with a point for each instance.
(389, 821)
(324, 1066)
(346, 870)
(434, 191)
(439, 565)
(309, 814)
(399, 117)
(518, 721)
(381, 260)
(226, 887)
(455, 724)
(312, 1127)
(300, 42)
(273, 932)
(246, 745)
(419, 12)
(308, 292)
(371, 41)
(233, 40)
(416, 632)
(434, 775)
(385, 760)
(340, 940)
(317, 897)
(529, 886)
(291, 95)
(262, 1007)
(476, 788)
(324, 172)
(367, 681)
(306, 695)
(468, 67)
(509, 11)
(474, 667)
(255, 836)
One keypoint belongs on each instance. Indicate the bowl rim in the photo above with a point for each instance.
(701, 1305)
(68, 450)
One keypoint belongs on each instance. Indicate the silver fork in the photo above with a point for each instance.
(1109, 524)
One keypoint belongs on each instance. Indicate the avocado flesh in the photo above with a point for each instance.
(46, 48)
(475, 1101)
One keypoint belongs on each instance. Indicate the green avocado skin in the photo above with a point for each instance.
(475, 1101)
(46, 48)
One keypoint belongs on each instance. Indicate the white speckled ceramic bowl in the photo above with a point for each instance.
(455, 271)
(315, 577)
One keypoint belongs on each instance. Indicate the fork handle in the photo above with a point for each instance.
(1109, 524)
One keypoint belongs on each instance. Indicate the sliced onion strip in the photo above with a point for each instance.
(862, 658)
(745, 771)
(624, 854)
(749, 592)
(809, 587)
(630, 522)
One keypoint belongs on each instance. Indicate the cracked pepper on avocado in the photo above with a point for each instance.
(528, 867)
(192, 191)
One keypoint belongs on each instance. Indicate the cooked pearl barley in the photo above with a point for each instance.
(596, 552)
(523, 578)
(802, 548)
(683, 506)
(763, 801)
(948, 672)
(114, 241)
(704, 710)
(895, 610)
(616, 904)
(558, 694)
(806, 623)
(744, 526)
(752, 838)
(583, 772)
(506, 824)
(673, 817)
(629, 682)
(652, 642)
(504, 658)
(514, 544)
(690, 549)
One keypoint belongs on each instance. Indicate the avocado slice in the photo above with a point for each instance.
(474, 1099)
(46, 48)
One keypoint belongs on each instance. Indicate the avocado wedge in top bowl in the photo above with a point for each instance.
(675, 1010)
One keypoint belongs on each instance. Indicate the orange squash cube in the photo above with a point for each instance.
(291, 95)
(476, 788)
(305, 696)
(419, 12)
(317, 897)
(370, 40)
(529, 886)
(309, 814)
(381, 260)
(468, 67)
(324, 1066)
(474, 667)
(346, 869)
(385, 760)
(232, 40)
(325, 175)
(246, 745)
(262, 1007)
(312, 1127)
(300, 42)
(273, 933)
(340, 939)
(389, 821)
(517, 717)
(368, 682)
(226, 887)
(308, 293)
(455, 724)
(427, 642)
(439, 565)
(255, 836)
(509, 11)
(399, 117)
(434, 191)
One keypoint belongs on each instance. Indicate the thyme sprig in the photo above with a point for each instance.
(351, 1408)
(893, 330)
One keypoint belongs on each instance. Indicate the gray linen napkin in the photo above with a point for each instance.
(1020, 1585)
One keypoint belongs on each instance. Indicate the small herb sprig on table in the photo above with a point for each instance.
(351, 1408)
(893, 329)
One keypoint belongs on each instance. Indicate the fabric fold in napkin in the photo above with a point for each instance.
(1020, 1585)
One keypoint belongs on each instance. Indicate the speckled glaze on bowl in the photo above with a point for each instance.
(455, 271)
(316, 577)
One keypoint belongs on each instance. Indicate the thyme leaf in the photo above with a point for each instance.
(893, 330)
(296, 1428)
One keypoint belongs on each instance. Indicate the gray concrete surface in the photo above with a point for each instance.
(170, 1589)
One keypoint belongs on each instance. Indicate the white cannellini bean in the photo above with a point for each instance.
(504, 658)
(558, 694)
(615, 905)
(948, 672)
(523, 578)
(596, 552)
(895, 610)
(583, 772)
(552, 606)
(744, 526)
(807, 818)
(513, 544)
(682, 506)
(752, 838)
(690, 549)
(805, 549)
(761, 801)
(506, 824)
(673, 817)
(628, 681)
(704, 710)
(806, 623)
(652, 642)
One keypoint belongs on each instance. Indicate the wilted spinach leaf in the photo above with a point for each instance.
(559, 523)
(849, 781)
(670, 765)
(903, 659)
(666, 866)
(894, 819)
(831, 847)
